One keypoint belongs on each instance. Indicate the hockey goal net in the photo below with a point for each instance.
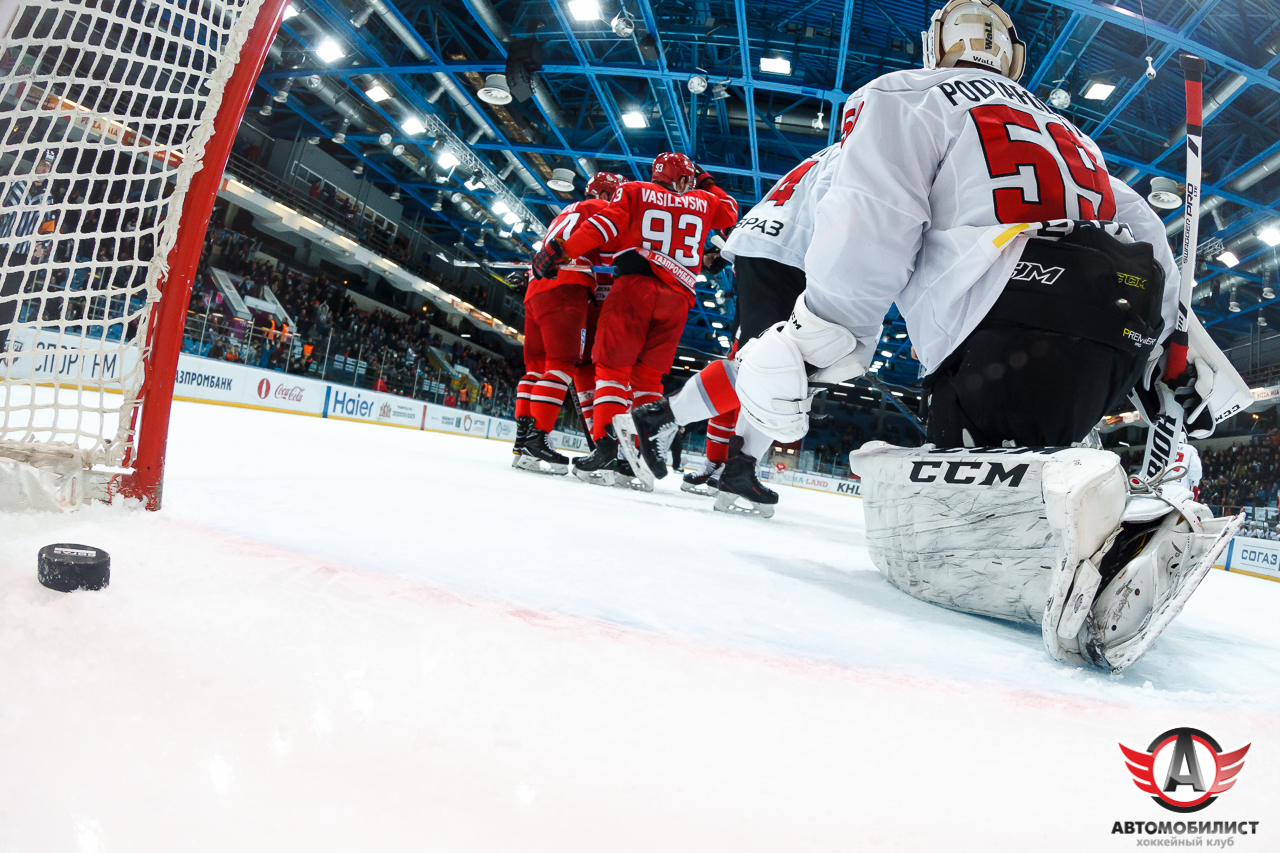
(116, 119)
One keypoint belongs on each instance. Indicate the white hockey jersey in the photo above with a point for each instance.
(780, 227)
(1189, 456)
(935, 171)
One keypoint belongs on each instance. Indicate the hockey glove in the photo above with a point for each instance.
(1194, 388)
(713, 263)
(774, 371)
(546, 263)
(702, 178)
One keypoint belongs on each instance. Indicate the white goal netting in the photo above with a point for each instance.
(105, 110)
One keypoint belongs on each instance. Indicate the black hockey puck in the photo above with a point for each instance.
(67, 568)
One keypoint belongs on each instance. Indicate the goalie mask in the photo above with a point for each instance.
(975, 31)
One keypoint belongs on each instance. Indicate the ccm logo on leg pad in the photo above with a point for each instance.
(962, 473)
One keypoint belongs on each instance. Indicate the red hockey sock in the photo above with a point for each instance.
(523, 391)
(584, 381)
(612, 398)
(719, 431)
(548, 396)
(646, 385)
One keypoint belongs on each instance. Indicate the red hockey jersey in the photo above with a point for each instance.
(563, 227)
(667, 229)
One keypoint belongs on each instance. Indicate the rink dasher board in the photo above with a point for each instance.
(1258, 558)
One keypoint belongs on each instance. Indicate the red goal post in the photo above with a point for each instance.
(116, 121)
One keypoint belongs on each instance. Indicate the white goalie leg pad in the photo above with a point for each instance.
(967, 528)
(1084, 495)
(46, 485)
(1149, 591)
(773, 387)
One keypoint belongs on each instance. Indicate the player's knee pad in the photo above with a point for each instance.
(560, 372)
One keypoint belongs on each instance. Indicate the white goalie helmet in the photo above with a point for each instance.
(976, 31)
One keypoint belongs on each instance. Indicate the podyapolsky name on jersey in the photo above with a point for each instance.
(977, 91)
(665, 199)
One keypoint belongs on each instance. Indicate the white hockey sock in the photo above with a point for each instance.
(754, 443)
(690, 404)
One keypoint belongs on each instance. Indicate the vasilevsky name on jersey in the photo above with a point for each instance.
(933, 168)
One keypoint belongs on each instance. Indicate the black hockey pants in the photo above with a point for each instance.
(1063, 345)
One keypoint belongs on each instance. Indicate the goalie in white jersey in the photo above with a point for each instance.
(1036, 290)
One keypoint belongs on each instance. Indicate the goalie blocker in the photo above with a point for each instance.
(1054, 537)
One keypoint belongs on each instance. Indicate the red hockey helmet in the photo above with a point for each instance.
(604, 185)
(670, 167)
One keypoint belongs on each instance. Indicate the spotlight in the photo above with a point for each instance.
(1164, 194)
(817, 121)
(719, 92)
(775, 65)
(358, 170)
(623, 25)
(330, 51)
(495, 90)
(1270, 235)
(290, 11)
(376, 93)
(384, 139)
(395, 194)
(634, 119)
(412, 126)
(1262, 321)
(1059, 99)
(1228, 258)
(313, 140)
(561, 180)
(1096, 90)
(359, 19)
(697, 84)
(397, 150)
(447, 159)
(585, 10)
(266, 110)
(1233, 306)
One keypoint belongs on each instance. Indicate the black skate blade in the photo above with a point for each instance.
(728, 502)
(625, 426)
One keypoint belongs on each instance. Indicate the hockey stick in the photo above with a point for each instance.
(523, 265)
(1166, 433)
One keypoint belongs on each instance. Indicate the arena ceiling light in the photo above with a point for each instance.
(376, 93)
(1270, 235)
(290, 11)
(412, 126)
(585, 10)
(537, 245)
(447, 159)
(634, 119)
(511, 219)
(330, 51)
(1097, 90)
(775, 65)
(500, 208)
(1228, 258)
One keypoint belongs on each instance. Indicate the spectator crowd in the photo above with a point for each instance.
(384, 350)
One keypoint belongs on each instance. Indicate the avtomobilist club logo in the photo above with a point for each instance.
(1191, 765)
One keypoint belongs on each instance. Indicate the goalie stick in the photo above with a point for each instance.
(1166, 432)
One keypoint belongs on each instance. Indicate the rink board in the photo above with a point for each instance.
(1259, 558)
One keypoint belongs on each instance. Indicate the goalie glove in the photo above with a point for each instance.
(1193, 392)
(774, 371)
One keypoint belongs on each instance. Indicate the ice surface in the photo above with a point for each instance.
(345, 637)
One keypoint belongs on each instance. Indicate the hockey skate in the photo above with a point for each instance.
(600, 466)
(646, 434)
(519, 460)
(705, 481)
(738, 481)
(538, 451)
